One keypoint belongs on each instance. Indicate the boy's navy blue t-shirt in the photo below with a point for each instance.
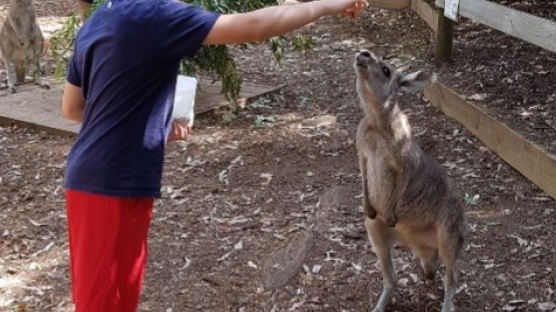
(126, 61)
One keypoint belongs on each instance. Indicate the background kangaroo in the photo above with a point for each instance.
(406, 195)
(21, 43)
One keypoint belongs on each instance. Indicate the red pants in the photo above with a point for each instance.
(108, 250)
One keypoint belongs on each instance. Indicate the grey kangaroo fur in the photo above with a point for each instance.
(407, 197)
(21, 43)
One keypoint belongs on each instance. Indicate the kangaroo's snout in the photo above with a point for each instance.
(364, 54)
(364, 57)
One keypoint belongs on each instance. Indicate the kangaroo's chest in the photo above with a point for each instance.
(25, 42)
(378, 169)
(380, 178)
(379, 159)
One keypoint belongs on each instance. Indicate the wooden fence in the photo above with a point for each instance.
(530, 28)
(527, 27)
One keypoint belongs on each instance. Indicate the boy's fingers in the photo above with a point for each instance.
(183, 135)
(355, 9)
(352, 13)
(360, 10)
(361, 6)
(171, 136)
(175, 133)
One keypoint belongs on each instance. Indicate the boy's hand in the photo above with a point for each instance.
(349, 8)
(179, 132)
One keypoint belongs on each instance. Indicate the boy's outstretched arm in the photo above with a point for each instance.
(269, 22)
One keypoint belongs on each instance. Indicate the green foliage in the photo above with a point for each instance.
(301, 43)
(232, 6)
(226, 117)
(215, 59)
(61, 45)
(307, 100)
(278, 48)
(261, 120)
(471, 200)
(210, 59)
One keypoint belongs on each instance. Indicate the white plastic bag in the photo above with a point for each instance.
(184, 100)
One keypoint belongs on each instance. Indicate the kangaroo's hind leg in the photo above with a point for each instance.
(10, 73)
(379, 235)
(448, 249)
(37, 74)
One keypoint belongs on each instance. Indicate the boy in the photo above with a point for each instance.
(120, 85)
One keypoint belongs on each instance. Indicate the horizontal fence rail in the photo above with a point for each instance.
(535, 163)
(390, 4)
(530, 28)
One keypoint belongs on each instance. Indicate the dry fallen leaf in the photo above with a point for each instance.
(267, 177)
(252, 264)
(477, 97)
(547, 306)
(357, 267)
(316, 269)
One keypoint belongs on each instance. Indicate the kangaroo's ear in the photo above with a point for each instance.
(416, 81)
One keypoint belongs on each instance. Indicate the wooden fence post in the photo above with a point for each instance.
(443, 38)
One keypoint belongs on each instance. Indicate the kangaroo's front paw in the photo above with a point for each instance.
(370, 212)
(391, 221)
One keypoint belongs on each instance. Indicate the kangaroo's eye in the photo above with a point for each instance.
(386, 71)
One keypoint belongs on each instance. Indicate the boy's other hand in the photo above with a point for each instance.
(349, 8)
(179, 132)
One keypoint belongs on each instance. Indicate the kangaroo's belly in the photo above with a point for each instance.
(15, 52)
(416, 236)
(20, 55)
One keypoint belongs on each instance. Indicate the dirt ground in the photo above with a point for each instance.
(249, 182)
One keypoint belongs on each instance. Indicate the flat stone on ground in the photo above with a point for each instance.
(36, 107)
(283, 264)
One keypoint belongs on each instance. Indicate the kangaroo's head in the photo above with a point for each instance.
(22, 19)
(378, 82)
(23, 4)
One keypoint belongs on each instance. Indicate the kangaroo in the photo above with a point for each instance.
(407, 197)
(21, 43)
